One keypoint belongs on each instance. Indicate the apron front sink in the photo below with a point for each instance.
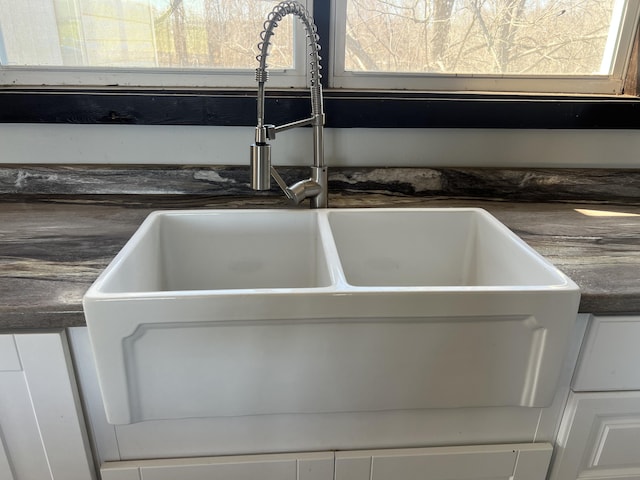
(219, 313)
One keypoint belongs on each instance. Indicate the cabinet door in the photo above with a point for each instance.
(301, 466)
(599, 437)
(42, 435)
(506, 462)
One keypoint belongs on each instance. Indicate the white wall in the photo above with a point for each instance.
(115, 144)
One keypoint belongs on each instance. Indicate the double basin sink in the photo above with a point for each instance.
(209, 313)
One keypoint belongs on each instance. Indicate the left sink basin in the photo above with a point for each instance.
(189, 251)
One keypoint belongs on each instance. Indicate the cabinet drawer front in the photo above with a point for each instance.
(504, 462)
(489, 462)
(610, 356)
(290, 466)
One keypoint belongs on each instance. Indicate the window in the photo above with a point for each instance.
(552, 46)
(574, 46)
(144, 42)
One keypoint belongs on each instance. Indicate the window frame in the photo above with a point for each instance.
(76, 77)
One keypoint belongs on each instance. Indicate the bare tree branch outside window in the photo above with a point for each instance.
(141, 33)
(540, 37)
(216, 33)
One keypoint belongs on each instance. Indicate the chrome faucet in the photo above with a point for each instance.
(314, 187)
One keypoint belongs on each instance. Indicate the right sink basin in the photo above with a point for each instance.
(435, 248)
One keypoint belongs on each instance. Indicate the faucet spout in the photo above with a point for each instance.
(316, 186)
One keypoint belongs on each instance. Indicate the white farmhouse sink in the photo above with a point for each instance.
(255, 312)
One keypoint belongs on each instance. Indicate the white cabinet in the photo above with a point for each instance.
(42, 434)
(599, 437)
(507, 462)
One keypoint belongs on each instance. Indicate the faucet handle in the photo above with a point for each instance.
(264, 133)
(270, 131)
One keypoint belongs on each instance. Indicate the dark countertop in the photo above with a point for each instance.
(51, 250)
